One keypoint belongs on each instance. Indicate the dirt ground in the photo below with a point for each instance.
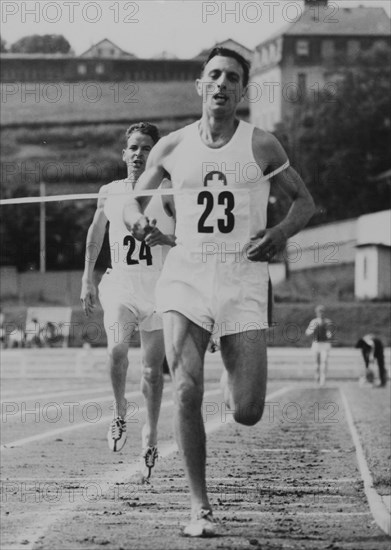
(292, 481)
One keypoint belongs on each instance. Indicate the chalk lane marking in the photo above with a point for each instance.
(77, 426)
(376, 504)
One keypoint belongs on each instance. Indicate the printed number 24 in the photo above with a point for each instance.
(224, 198)
(145, 251)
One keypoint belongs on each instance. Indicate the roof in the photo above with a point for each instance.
(228, 43)
(374, 229)
(30, 56)
(334, 232)
(384, 176)
(359, 21)
(127, 54)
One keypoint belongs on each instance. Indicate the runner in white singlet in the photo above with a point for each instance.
(321, 329)
(215, 280)
(127, 289)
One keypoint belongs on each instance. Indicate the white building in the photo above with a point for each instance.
(303, 59)
(373, 256)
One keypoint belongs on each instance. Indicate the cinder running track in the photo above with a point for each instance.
(293, 481)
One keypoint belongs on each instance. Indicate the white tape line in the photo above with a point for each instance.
(376, 504)
(139, 193)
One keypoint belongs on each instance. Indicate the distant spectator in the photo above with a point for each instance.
(15, 338)
(33, 334)
(321, 330)
(372, 349)
(51, 334)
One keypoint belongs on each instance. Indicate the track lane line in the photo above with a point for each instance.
(77, 426)
(84, 424)
(376, 504)
(32, 396)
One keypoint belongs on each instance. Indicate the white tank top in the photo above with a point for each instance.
(126, 252)
(223, 220)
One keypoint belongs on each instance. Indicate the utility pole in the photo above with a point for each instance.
(42, 230)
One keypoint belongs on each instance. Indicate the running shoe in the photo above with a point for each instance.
(116, 436)
(203, 525)
(148, 460)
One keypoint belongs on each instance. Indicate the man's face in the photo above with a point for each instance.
(221, 85)
(320, 313)
(137, 151)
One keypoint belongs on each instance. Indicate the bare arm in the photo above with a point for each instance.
(94, 241)
(168, 200)
(156, 236)
(133, 217)
(270, 155)
(311, 327)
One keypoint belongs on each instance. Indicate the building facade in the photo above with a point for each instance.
(304, 58)
(105, 62)
(64, 68)
(373, 256)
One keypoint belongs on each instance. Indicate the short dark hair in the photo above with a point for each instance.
(226, 52)
(144, 128)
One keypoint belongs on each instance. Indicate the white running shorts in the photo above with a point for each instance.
(223, 297)
(135, 291)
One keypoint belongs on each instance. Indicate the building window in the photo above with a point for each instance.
(340, 46)
(303, 48)
(353, 48)
(366, 43)
(327, 49)
(100, 68)
(112, 52)
(82, 69)
(99, 50)
(272, 52)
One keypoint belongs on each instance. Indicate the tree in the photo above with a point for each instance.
(339, 141)
(48, 43)
(66, 227)
(3, 48)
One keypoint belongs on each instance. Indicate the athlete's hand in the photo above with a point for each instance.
(141, 228)
(266, 244)
(155, 236)
(88, 297)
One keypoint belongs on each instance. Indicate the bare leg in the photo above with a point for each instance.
(245, 359)
(318, 367)
(119, 324)
(152, 344)
(186, 344)
(323, 367)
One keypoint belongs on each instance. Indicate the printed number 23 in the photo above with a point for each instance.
(145, 251)
(224, 198)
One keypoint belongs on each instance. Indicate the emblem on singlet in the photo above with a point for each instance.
(215, 179)
(208, 200)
